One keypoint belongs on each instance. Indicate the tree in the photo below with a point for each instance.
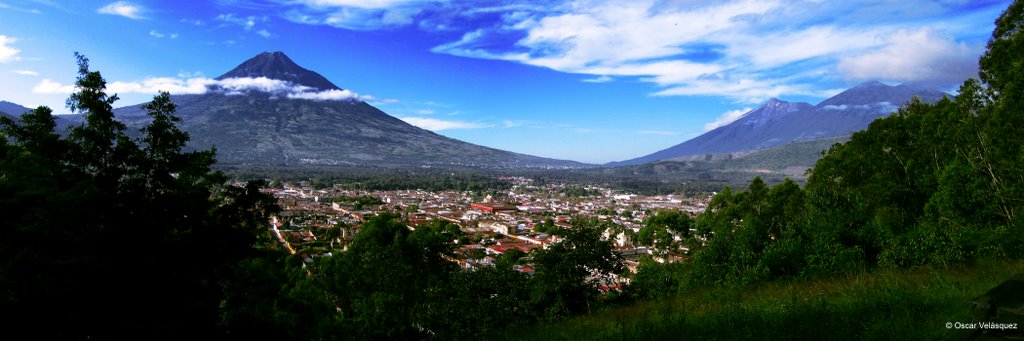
(379, 284)
(133, 225)
(564, 281)
(655, 280)
(661, 229)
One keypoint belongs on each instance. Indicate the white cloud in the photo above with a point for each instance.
(914, 56)
(263, 84)
(886, 107)
(726, 118)
(434, 124)
(327, 95)
(246, 23)
(26, 72)
(19, 9)
(8, 53)
(747, 50)
(357, 3)
(155, 34)
(47, 86)
(772, 50)
(186, 74)
(379, 102)
(202, 85)
(511, 123)
(647, 43)
(836, 107)
(583, 36)
(177, 86)
(744, 90)
(356, 14)
(425, 112)
(249, 23)
(124, 9)
(369, 19)
(600, 79)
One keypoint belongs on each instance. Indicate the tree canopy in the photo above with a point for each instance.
(107, 235)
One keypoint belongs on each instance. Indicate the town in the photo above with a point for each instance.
(487, 226)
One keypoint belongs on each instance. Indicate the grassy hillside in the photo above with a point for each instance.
(798, 154)
(881, 304)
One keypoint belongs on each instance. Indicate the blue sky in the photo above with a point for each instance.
(592, 81)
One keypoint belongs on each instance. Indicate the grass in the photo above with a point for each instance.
(880, 304)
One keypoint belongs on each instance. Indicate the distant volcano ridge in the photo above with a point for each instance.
(778, 122)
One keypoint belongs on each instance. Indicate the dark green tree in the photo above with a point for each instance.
(568, 272)
(379, 284)
(107, 235)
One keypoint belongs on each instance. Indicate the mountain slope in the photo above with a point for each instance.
(12, 109)
(778, 122)
(269, 128)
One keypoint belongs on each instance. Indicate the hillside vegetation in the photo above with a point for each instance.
(886, 304)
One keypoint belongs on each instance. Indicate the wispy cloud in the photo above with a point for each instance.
(915, 56)
(356, 14)
(425, 112)
(434, 124)
(158, 35)
(514, 123)
(326, 95)
(601, 79)
(124, 9)
(26, 72)
(47, 86)
(247, 23)
(202, 85)
(748, 50)
(380, 102)
(20, 9)
(374, 4)
(7, 52)
(726, 118)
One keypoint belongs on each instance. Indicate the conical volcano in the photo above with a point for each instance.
(271, 128)
(277, 65)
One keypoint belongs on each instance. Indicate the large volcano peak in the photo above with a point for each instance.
(277, 65)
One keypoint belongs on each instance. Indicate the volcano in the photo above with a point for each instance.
(269, 111)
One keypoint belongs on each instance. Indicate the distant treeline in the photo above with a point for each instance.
(379, 178)
(633, 179)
